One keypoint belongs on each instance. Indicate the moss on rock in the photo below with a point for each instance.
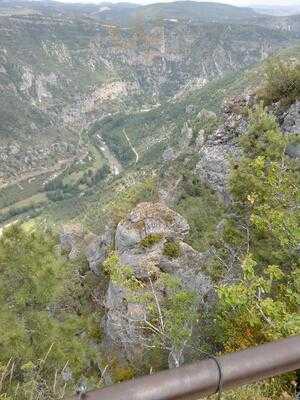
(150, 240)
(172, 249)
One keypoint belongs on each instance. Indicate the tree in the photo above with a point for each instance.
(263, 185)
(262, 217)
(261, 234)
(180, 316)
(41, 338)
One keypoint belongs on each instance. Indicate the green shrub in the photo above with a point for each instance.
(47, 321)
(172, 249)
(282, 82)
(55, 195)
(150, 240)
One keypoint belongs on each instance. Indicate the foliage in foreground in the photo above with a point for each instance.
(263, 307)
(45, 345)
(264, 186)
(261, 234)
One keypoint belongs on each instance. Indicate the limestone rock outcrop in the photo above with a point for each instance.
(76, 242)
(289, 121)
(135, 248)
(71, 240)
(214, 165)
(216, 150)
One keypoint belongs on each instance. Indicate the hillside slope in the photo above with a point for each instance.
(58, 74)
(81, 98)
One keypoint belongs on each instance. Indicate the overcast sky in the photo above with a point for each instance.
(234, 2)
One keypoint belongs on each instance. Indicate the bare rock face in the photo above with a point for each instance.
(120, 323)
(290, 119)
(188, 267)
(77, 243)
(147, 219)
(150, 218)
(96, 250)
(215, 153)
(71, 238)
(157, 219)
(134, 248)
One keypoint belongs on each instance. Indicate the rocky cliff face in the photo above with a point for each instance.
(208, 153)
(76, 242)
(222, 146)
(134, 248)
(218, 149)
(140, 242)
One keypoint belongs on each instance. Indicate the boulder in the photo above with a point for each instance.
(146, 219)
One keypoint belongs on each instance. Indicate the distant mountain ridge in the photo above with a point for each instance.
(66, 69)
(278, 10)
(193, 10)
(128, 13)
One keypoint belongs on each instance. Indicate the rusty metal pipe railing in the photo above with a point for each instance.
(194, 381)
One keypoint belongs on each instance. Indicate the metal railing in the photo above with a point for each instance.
(200, 379)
